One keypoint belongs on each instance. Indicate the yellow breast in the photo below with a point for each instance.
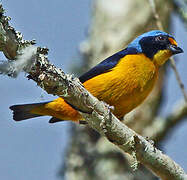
(126, 85)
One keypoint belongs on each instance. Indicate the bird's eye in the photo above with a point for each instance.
(159, 38)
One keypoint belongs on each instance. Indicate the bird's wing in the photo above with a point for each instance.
(107, 64)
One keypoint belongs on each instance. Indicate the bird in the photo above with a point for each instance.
(123, 80)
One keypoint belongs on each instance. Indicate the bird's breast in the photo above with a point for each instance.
(126, 85)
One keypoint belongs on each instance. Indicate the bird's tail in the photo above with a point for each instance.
(58, 109)
(23, 111)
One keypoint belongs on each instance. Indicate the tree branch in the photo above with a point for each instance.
(98, 116)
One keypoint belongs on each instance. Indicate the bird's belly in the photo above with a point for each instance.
(128, 101)
(125, 88)
(124, 99)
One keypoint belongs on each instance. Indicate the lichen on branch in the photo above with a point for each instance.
(97, 114)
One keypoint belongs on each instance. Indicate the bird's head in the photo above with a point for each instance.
(156, 45)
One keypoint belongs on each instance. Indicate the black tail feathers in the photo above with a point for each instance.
(22, 112)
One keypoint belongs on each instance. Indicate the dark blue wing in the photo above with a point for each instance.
(107, 64)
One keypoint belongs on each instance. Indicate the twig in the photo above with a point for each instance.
(181, 9)
(160, 26)
(54, 81)
(161, 127)
(181, 85)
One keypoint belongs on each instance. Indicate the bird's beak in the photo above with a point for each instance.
(174, 49)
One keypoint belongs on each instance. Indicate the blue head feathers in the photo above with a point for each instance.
(135, 43)
(144, 43)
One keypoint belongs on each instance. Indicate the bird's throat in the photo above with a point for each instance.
(161, 57)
